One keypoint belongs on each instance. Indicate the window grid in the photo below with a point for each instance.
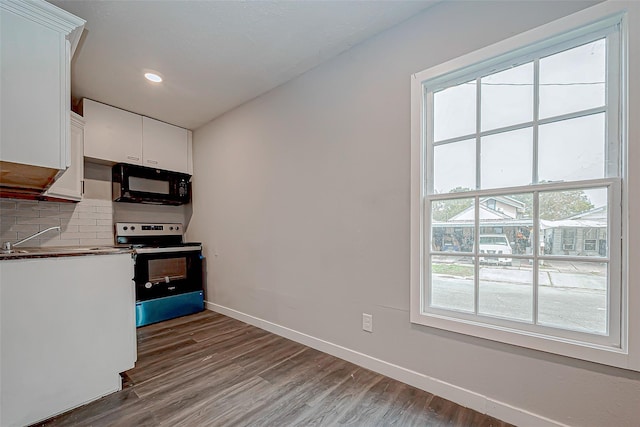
(536, 117)
(478, 192)
(524, 125)
(536, 252)
(535, 256)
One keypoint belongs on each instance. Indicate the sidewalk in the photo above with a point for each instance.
(582, 278)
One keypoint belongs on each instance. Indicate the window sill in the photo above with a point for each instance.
(611, 356)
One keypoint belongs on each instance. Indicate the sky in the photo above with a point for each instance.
(569, 149)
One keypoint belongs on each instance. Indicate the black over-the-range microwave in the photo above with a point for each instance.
(140, 184)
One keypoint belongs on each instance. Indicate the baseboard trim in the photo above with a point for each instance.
(459, 395)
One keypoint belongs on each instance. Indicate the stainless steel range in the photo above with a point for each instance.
(168, 271)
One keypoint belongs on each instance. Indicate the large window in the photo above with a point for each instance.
(521, 160)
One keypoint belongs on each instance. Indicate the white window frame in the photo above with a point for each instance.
(616, 353)
(590, 242)
(590, 237)
(565, 233)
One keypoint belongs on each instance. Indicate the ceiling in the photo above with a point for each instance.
(213, 55)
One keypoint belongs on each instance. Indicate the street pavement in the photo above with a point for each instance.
(568, 297)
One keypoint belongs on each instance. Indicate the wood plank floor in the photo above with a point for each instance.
(210, 370)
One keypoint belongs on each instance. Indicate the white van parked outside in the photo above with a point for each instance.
(495, 244)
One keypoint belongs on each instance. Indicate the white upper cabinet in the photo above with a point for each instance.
(69, 185)
(37, 44)
(164, 146)
(113, 135)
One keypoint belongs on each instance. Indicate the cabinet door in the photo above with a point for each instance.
(76, 339)
(69, 185)
(32, 124)
(112, 134)
(164, 146)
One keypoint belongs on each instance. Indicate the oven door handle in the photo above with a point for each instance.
(168, 250)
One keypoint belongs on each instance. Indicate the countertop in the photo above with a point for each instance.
(61, 251)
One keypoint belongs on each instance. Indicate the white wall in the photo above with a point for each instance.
(301, 198)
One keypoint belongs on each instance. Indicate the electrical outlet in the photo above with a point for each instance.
(367, 322)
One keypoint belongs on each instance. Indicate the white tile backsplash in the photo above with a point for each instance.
(89, 222)
(84, 221)
(44, 221)
(95, 215)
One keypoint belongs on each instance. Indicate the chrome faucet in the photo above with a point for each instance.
(7, 247)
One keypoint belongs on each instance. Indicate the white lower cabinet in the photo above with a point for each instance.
(67, 331)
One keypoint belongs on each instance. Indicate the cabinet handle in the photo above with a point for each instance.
(153, 162)
(133, 158)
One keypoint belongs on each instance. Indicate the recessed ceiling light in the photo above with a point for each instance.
(152, 77)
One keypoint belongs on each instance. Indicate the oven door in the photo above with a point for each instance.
(167, 273)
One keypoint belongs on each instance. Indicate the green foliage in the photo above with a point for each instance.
(527, 199)
(553, 205)
(557, 205)
(452, 269)
(444, 210)
(560, 205)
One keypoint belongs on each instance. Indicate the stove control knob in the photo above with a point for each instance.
(171, 228)
(133, 227)
(148, 285)
(177, 227)
(125, 228)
